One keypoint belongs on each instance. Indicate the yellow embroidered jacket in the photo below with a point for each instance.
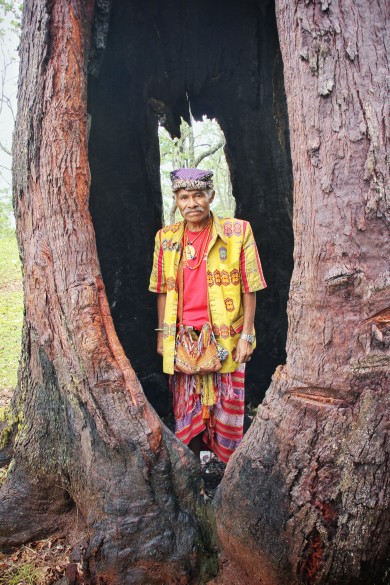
(233, 268)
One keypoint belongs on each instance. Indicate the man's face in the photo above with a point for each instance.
(194, 205)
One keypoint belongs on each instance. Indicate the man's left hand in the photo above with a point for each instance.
(242, 352)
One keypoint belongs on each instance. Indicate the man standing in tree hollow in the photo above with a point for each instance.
(206, 270)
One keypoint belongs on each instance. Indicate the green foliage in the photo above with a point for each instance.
(6, 214)
(11, 311)
(14, 10)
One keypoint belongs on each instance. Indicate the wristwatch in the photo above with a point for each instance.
(247, 337)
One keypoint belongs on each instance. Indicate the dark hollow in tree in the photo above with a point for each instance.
(305, 499)
(224, 61)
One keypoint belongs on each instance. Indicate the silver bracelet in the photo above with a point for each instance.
(159, 329)
(247, 337)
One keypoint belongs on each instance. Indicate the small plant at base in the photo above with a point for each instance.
(25, 574)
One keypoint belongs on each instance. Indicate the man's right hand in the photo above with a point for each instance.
(160, 343)
(161, 300)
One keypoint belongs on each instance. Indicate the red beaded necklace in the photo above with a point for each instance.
(189, 250)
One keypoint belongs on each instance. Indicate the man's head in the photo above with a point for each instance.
(193, 193)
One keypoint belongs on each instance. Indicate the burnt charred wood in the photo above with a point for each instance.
(158, 63)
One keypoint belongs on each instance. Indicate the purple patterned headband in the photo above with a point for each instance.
(191, 179)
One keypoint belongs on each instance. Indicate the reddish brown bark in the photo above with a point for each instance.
(307, 494)
(88, 449)
(306, 497)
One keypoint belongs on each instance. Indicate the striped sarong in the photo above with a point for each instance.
(223, 430)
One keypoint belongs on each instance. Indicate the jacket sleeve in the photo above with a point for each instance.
(252, 278)
(157, 278)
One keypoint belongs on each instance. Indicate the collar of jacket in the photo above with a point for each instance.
(217, 226)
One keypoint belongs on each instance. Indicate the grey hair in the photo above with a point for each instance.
(208, 191)
(172, 211)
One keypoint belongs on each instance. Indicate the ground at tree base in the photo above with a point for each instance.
(58, 560)
(53, 561)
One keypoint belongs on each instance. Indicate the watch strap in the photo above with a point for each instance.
(247, 337)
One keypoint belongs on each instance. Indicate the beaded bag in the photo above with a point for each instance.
(196, 355)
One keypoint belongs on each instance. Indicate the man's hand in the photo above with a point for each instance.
(242, 352)
(159, 342)
(161, 300)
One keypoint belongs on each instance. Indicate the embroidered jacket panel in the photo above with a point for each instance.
(233, 268)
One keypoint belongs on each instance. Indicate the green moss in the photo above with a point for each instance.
(10, 420)
(4, 437)
(208, 546)
(4, 471)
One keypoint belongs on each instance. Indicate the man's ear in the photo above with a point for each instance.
(212, 197)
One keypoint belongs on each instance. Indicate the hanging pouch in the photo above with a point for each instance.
(197, 355)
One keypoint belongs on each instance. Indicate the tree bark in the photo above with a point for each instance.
(305, 499)
(83, 446)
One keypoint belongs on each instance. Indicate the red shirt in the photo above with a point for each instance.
(195, 311)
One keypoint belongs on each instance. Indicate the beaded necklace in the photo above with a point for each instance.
(189, 250)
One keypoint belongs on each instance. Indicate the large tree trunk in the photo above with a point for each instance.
(306, 497)
(87, 447)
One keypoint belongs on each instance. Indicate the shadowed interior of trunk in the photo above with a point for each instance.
(149, 61)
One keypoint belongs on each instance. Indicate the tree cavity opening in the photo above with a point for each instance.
(200, 145)
(149, 63)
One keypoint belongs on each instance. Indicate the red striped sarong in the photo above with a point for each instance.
(223, 431)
